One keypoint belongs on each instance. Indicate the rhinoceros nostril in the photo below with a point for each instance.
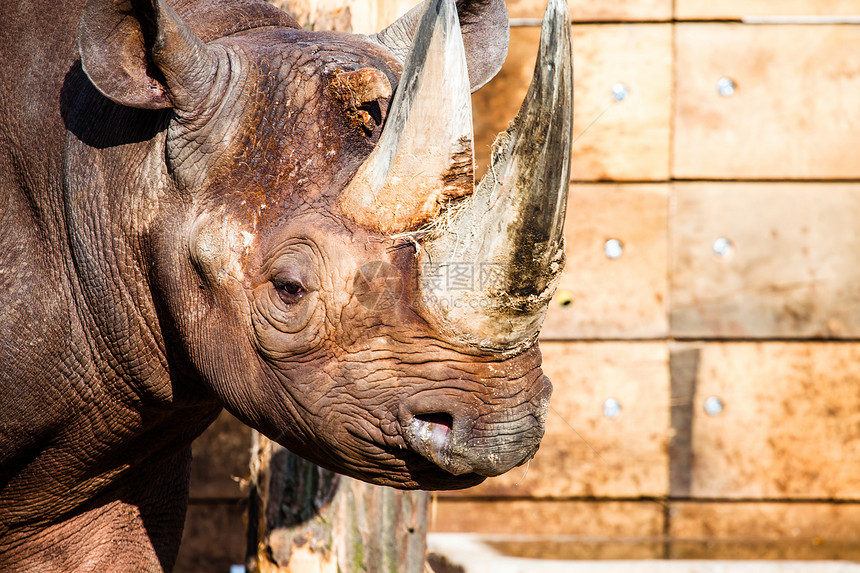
(438, 418)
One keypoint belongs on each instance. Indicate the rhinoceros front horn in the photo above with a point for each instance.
(424, 156)
(504, 246)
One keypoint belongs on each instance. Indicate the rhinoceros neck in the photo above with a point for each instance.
(85, 392)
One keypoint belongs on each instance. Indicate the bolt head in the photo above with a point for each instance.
(612, 408)
(714, 406)
(723, 247)
(613, 249)
(620, 91)
(726, 87)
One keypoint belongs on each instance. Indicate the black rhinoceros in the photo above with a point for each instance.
(203, 206)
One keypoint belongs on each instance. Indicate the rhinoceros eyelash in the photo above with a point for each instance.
(290, 288)
(289, 291)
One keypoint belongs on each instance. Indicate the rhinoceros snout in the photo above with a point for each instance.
(462, 437)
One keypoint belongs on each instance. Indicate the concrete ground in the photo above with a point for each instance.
(465, 553)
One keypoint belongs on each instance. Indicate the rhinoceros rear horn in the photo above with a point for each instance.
(139, 53)
(485, 30)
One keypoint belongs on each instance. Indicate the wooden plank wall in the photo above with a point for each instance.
(707, 380)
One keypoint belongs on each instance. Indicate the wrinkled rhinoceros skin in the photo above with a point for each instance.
(157, 265)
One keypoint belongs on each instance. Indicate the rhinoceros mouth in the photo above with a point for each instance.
(430, 436)
(459, 442)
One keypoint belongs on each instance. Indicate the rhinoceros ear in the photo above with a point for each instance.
(140, 53)
(485, 28)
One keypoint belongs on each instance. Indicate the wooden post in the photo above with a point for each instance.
(304, 519)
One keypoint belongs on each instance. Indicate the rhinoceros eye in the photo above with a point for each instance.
(290, 291)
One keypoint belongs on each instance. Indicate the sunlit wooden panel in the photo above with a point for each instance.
(765, 260)
(622, 100)
(766, 102)
(770, 420)
(615, 279)
(734, 9)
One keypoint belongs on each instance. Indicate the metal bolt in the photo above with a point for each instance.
(613, 248)
(723, 247)
(564, 297)
(612, 408)
(714, 406)
(620, 91)
(726, 87)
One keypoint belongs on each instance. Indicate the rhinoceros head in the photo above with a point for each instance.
(322, 259)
